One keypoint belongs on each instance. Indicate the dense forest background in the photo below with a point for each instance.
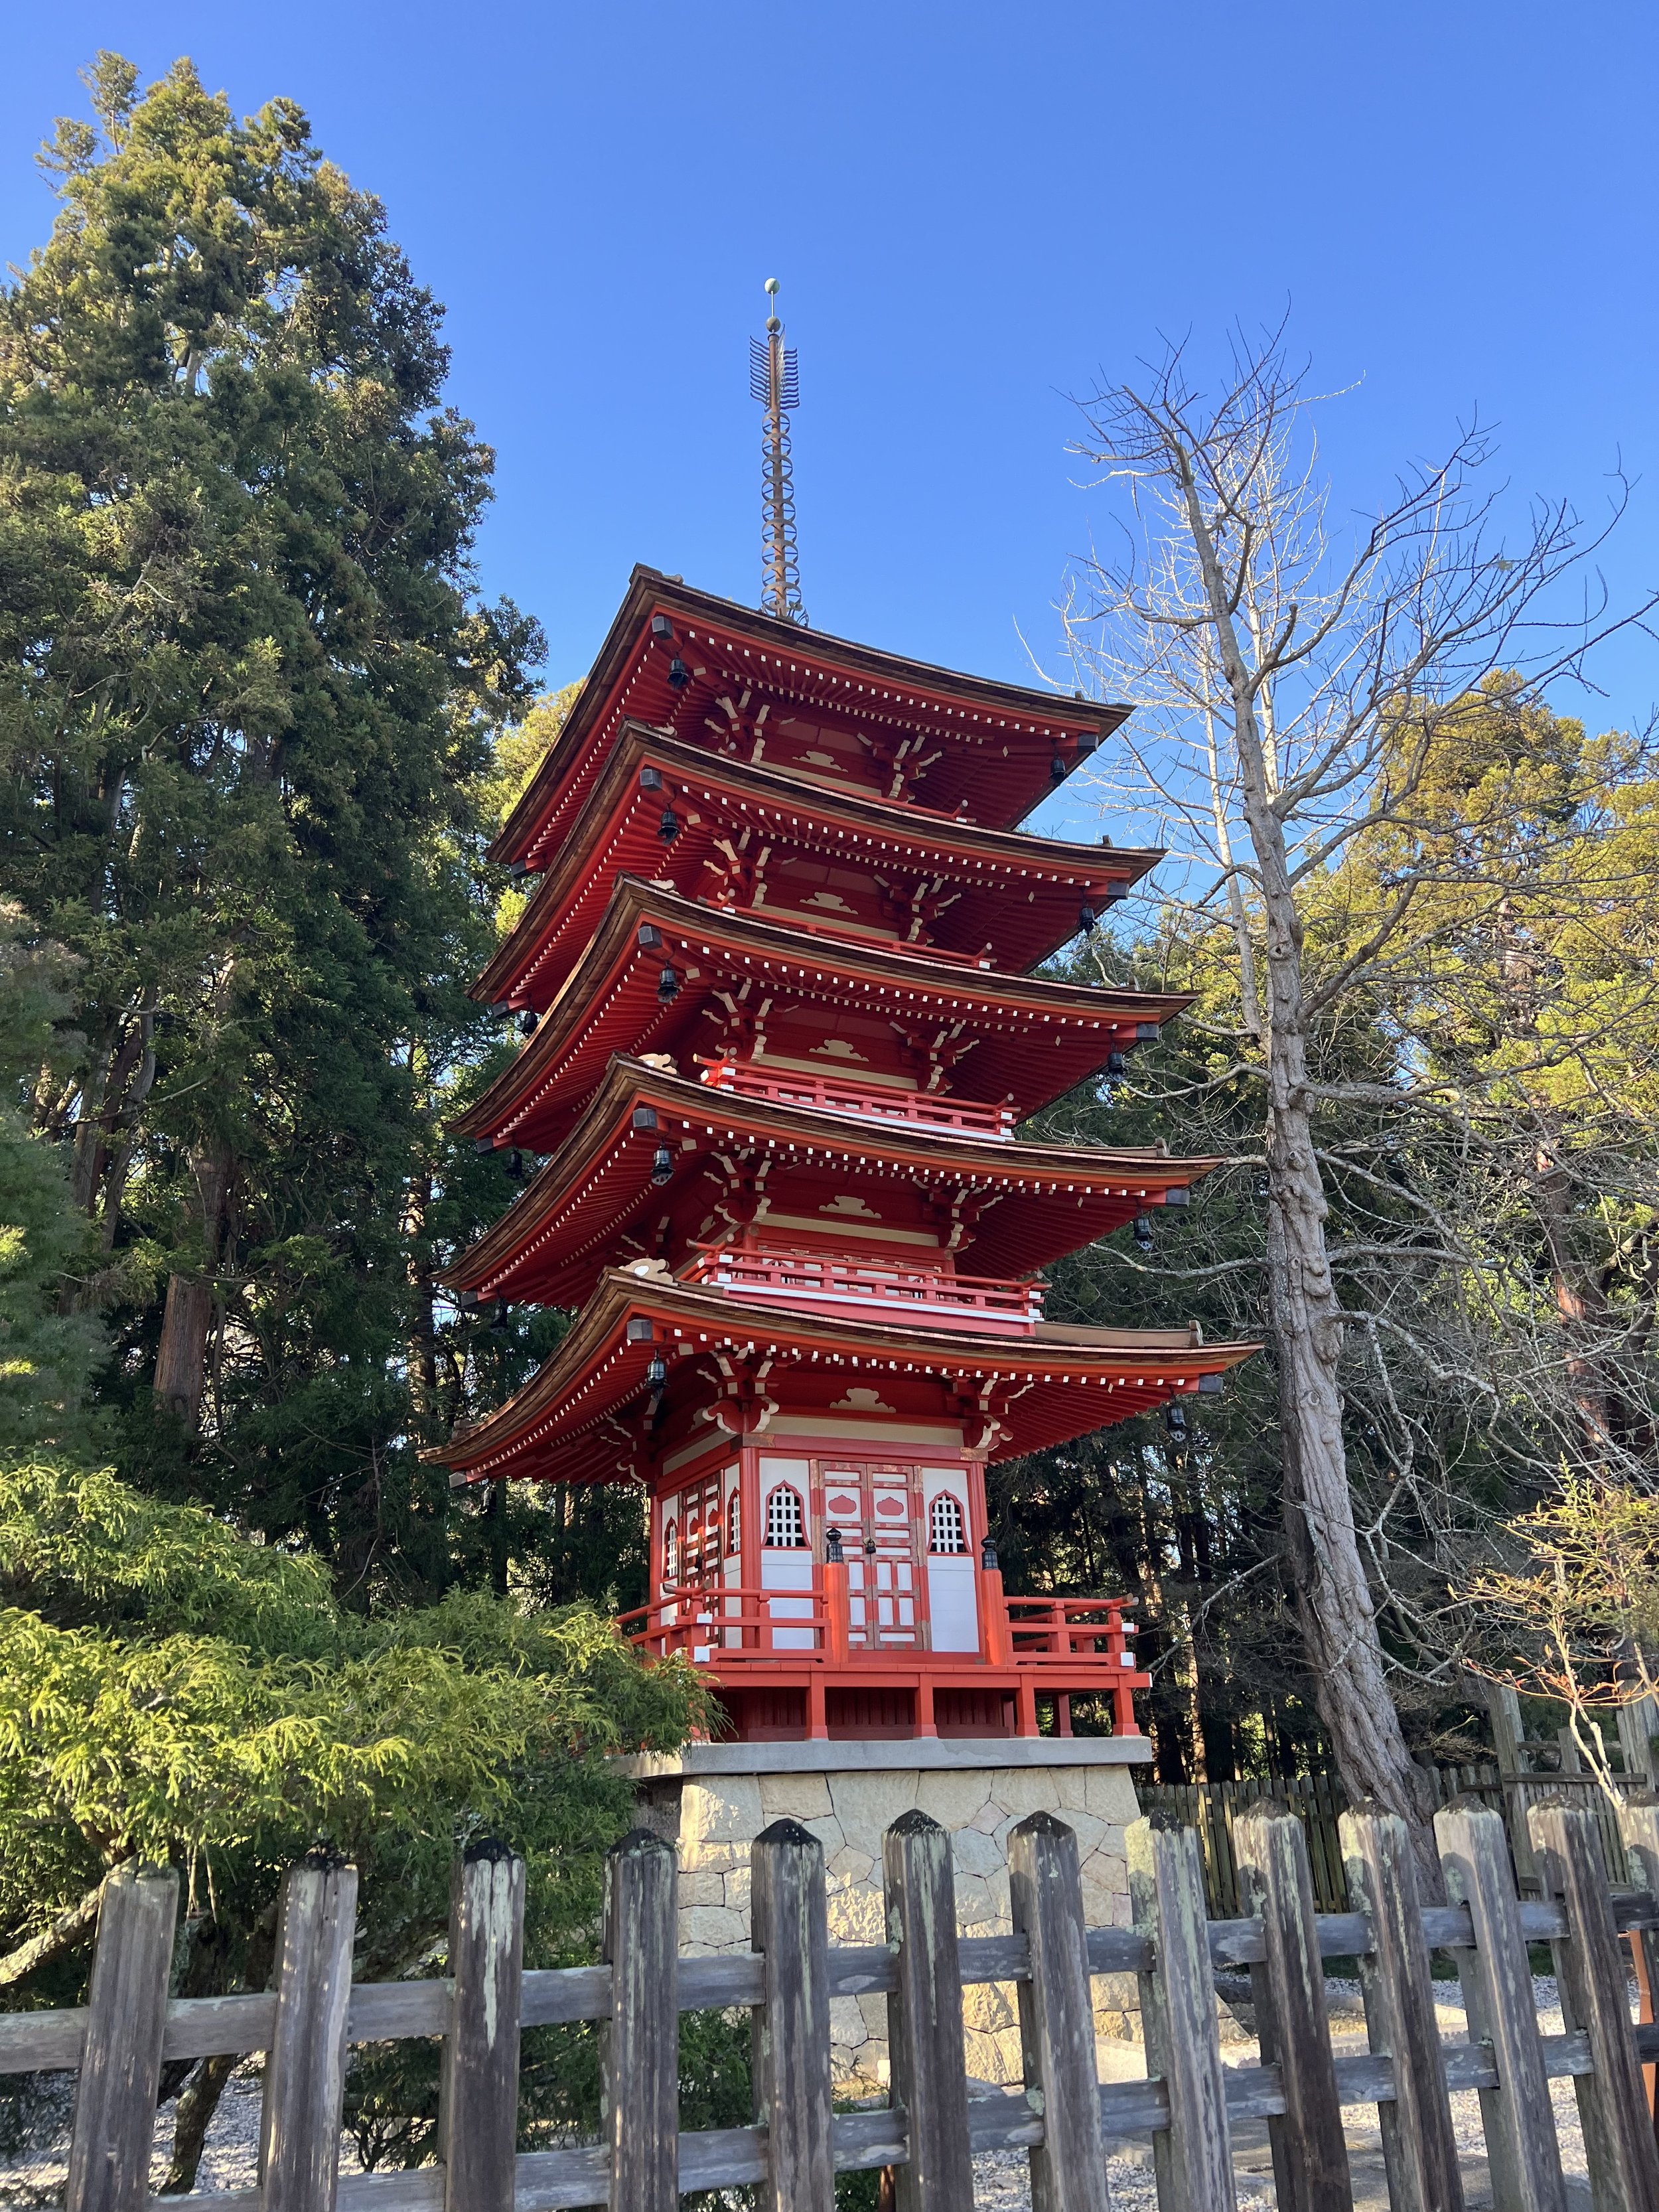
(258, 727)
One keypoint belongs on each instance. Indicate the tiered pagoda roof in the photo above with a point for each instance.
(781, 1033)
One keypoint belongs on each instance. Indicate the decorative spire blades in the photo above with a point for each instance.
(775, 381)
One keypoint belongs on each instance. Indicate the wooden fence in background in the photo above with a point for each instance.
(929, 2132)
(1320, 1801)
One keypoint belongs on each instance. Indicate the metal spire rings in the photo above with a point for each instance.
(775, 381)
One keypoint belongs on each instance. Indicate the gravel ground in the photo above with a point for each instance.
(230, 2156)
(1001, 2178)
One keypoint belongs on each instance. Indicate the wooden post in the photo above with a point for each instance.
(1056, 2018)
(1635, 1723)
(1590, 1968)
(1310, 2160)
(789, 1926)
(1503, 1711)
(1638, 1831)
(924, 2018)
(478, 2096)
(121, 2059)
(1420, 2151)
(995, 1634)
(304, 2065)
(1193, 2157)
(1497, 1979)
(837, 1616)
(641, 2041)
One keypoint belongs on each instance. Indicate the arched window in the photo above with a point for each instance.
(945, 1529)
(734, 1525)
(671, 1551)
(786, 1522)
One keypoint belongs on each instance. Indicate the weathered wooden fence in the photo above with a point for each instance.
(1320, 1801)
(930, 2129)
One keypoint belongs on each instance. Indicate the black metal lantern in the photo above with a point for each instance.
(1142, 1227)
(678, 674)
(1116, 1067)
(1175, 1420)
(1057, 770)
(833, 1554)
(662, 1166)
(657, 1373)
(1085, 919)
(668, 987)
(527, 1022)
(669, 827)
(988, 1556)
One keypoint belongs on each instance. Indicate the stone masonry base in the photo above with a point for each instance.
(712, 1800)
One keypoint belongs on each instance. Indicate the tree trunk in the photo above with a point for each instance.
(1334, 1611)
(198, 2101)
(187, 1318)
(1581, 1302)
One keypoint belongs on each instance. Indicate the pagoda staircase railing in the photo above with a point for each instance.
(919, 1108)
(820, 1282)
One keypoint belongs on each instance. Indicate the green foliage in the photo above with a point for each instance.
(50, 1342)
(171, 1691)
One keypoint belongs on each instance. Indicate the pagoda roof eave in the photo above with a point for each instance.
(598, 1370)
(888, 825)
(649, 590)
(628, 1085)
(911, 978)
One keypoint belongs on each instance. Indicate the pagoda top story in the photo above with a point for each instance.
(727, 680)
(780, 1030)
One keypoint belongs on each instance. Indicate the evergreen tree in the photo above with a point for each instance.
(248, 689)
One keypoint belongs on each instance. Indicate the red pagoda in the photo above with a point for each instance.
(777, 970)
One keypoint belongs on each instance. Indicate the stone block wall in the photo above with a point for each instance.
(720, 1815)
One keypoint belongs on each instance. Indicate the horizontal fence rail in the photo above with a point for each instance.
(1188, 2104)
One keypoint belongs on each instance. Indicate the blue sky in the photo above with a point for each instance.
(975, 211)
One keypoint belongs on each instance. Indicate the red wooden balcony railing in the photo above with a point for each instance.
(1052, 1647)
(827, 1285)
(917, 1108)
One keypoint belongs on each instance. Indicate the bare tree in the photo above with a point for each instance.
(1296, 696)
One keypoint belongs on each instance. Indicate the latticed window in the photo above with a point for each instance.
(733, 1525)
(946, 1528)
(786, 1522)
(671, 1553)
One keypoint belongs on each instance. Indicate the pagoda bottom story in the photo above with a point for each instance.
(843, 1587)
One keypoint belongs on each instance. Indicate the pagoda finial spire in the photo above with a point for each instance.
(774, 381)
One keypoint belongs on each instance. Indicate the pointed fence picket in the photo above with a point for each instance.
(932, 2124)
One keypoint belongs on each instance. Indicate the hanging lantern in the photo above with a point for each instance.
(668, 987)
(662, 1166)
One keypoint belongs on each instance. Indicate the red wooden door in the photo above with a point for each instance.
(875, 1505)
